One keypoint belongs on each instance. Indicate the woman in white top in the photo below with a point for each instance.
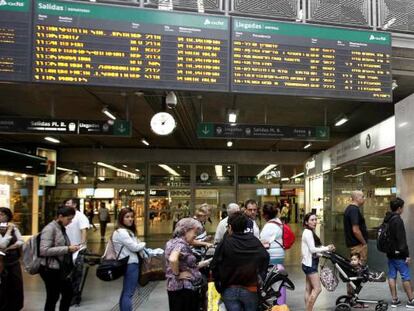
(271, 235)
(311, 247)
(125, 241)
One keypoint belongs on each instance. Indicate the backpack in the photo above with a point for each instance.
(31, 254)
(288, 237)
(384, 241)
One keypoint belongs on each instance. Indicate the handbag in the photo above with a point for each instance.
(111, 267)
(151, 268)
(328, 277)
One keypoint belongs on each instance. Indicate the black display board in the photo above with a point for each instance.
(93, 44)
(15, 28)
(307, 60)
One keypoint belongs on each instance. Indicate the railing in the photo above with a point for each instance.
(390, 15)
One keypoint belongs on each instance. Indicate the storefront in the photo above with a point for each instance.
(364, 162)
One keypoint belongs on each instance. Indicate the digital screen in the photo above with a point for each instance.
(15, 27)
(307, 60)
(260, 192)
(275, 191)
(94, 44)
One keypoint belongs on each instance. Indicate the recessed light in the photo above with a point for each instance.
(52, 139)
(229, 144)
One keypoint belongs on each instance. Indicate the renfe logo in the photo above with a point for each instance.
(16, 3)
(213, 22)
(377, 38)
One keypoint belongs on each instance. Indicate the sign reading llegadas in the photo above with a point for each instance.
(94, 44)
(307, 60)
(256, 131)
(15, 28)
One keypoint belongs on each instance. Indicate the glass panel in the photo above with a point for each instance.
(170, 175)
(215, 175)
(16, 193)
(101, 173)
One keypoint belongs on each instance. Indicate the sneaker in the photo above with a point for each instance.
(410, 304)
(395, 303)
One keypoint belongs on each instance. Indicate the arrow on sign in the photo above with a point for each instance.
(205, 131)
(122, 128)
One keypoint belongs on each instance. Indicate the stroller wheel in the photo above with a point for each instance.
(343, 307)
(381, 307)
(343, 299)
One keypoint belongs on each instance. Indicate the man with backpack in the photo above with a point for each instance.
(397, 252)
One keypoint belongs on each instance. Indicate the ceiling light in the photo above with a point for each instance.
(388, 178)
(219, 170)
(101, 178)
(307, 145)
(125, 166)
(52, 139)
(377, 169)
(66, 169)
(169, 169)
(137, 170)
(394, 84)
(402, 124)
(341, 120)
(266, 170)
(285, 179)
(389, 23)
(336, 168)
(232, 116)
(24, 175)
(29, 166)
(132, 175)
(229, 143)
(297, 175)
(145, 142)
(76, 179)
(19, 178)
(228, 166)
(108, 113)
(360, 174)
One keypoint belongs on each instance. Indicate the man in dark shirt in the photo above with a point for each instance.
(237, 261)
(355, 229)
(399, 256)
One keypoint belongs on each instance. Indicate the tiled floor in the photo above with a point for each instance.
(104, 296)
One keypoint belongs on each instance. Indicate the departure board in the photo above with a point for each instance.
(15, 28)
(307, 60)
(95, 44)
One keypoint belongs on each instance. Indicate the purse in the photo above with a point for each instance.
(151, 268)
(111, 267)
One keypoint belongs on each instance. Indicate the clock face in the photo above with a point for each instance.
(163, 123)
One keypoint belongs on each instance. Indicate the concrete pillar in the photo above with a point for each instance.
(404, 166)
(35, 205)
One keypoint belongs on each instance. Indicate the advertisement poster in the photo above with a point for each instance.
(5, 195)
(50, 178)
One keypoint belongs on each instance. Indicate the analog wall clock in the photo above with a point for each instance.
(163, 123)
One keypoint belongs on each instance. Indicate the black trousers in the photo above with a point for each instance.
(11, 288)
(183, 300)
(55, 287)
(103, 228)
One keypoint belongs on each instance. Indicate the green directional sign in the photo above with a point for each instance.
(256, 131)
(122, 128)
(205, 130)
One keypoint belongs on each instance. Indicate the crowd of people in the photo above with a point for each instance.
(242, 255)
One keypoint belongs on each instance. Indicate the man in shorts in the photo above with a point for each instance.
(399, 256)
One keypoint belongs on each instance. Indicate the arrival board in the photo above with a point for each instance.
(93, 44)
(15, 28)
(306, 60)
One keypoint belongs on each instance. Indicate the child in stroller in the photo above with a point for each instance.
(269, 288)
(355, 275)
(363, 271)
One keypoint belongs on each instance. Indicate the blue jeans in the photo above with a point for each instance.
(240, 299)
(129, 287)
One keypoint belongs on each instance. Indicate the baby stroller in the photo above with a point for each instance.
(269, 288)
(348, 274)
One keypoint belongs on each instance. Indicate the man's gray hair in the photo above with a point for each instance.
(356, 194)
(185, 225)
(232, 208)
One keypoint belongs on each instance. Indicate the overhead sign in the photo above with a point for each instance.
(95, 44)
(60, 126)
(308, 60)
(249, 131)
(15, 29)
